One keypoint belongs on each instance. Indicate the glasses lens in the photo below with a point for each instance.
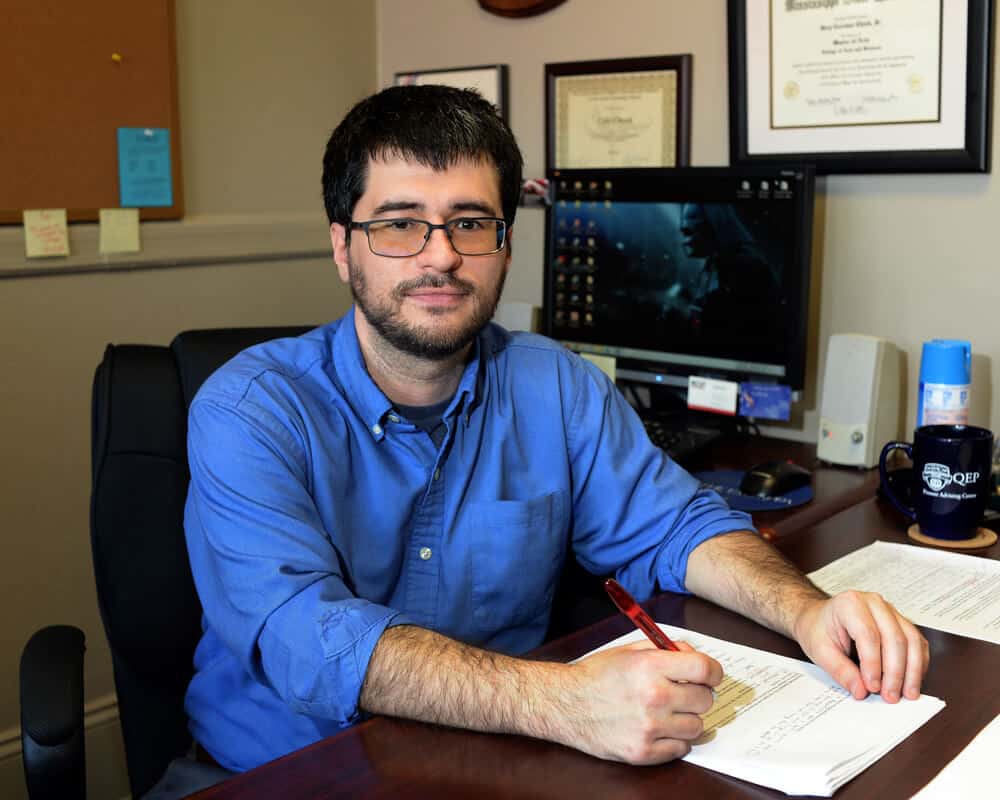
(474, 236)
(397, 237)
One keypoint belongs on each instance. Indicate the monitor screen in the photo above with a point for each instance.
(678, 272)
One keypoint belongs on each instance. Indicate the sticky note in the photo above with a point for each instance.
(144, 177)
(606, 364)
(119, 230)
(45, 233)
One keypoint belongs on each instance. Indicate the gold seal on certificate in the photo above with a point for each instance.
(620, 113)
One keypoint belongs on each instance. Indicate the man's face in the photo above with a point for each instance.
(696, 233)
(432, 304)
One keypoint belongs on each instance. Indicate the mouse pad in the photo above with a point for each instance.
(727, 483)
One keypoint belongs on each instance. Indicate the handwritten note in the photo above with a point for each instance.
(119, 230)
(45, 233)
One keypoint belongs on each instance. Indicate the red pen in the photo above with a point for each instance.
(631, 609)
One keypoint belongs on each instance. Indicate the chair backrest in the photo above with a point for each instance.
(148, 602)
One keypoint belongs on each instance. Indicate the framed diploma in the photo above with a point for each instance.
(627, 112)
(490, 81)
(861, 86)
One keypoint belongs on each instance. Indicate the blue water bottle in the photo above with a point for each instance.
(945, 378)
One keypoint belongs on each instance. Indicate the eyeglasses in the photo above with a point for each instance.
(403, 237)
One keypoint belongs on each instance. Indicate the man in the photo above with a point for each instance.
(379, 510)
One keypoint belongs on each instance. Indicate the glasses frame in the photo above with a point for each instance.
(431, 227)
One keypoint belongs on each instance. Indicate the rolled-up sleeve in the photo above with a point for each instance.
(270, 577)
(637, 514)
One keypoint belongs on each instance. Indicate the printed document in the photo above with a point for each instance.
(786, 724)
(951, 592)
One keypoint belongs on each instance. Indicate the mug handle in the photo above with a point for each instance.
(908, 511)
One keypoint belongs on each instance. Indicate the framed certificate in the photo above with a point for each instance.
(628, 112)
(490, 81)
(863, 86)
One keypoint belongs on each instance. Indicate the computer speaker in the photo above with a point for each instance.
(860, 406)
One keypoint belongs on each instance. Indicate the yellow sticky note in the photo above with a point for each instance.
(45, 233)
(606, 364)
(119, 230)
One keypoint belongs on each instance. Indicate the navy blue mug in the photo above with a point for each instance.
(951, 479)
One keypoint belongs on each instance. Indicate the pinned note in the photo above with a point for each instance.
(45, 233)
(144, 176)
(119, 230)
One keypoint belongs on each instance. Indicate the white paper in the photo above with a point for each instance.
(786, 724)
(949, 132)
(869, 62)
(951, 592)
(972, 773)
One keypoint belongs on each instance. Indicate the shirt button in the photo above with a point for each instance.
(425, 553)
(437, 474)
(377, 429)
(393, 418)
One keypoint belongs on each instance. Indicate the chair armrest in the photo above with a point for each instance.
(52, 736)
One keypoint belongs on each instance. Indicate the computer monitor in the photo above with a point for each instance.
(680, 272)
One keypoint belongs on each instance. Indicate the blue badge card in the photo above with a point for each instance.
(144, 176)
(765, 401)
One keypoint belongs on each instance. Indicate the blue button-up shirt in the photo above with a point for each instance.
(317, 517)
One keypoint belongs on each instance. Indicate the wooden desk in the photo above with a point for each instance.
(389, 758)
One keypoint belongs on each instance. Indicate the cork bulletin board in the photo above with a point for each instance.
(73, 74)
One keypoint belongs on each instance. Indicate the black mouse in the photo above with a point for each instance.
(774, 478)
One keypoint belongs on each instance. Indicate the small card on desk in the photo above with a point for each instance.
(711, 394)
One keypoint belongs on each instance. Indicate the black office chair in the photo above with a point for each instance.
(151, 613)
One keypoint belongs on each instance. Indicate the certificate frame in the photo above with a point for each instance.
(666, 123)
(954, 146)
(490, 80)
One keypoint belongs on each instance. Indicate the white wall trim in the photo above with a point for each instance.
(96, 712)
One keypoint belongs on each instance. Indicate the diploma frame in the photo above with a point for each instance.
(971, 156)
(675, 122)
(489, 80)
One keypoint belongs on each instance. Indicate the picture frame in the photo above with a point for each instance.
(850, 91)
(623, 112)
(490, 80)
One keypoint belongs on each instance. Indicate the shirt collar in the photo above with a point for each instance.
(371, 404)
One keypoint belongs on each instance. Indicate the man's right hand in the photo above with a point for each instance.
(639, 704)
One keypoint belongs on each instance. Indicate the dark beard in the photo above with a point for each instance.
(417, 341)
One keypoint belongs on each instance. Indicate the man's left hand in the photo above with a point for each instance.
(893, 654)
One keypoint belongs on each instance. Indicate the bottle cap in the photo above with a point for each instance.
(946, 361)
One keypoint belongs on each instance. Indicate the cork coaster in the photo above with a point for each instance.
(984, 538)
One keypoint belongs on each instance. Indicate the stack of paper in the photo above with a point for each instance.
(786, 724)
(951, 592)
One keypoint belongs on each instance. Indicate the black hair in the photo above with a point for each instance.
(434, 125)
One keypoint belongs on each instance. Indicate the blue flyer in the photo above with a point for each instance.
(765, 401)
(144, 176)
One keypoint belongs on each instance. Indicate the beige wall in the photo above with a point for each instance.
(261, 86)
(907, 257)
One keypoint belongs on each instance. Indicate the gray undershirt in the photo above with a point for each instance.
(427, 418)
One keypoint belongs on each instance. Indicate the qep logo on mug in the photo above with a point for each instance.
(936, 476)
